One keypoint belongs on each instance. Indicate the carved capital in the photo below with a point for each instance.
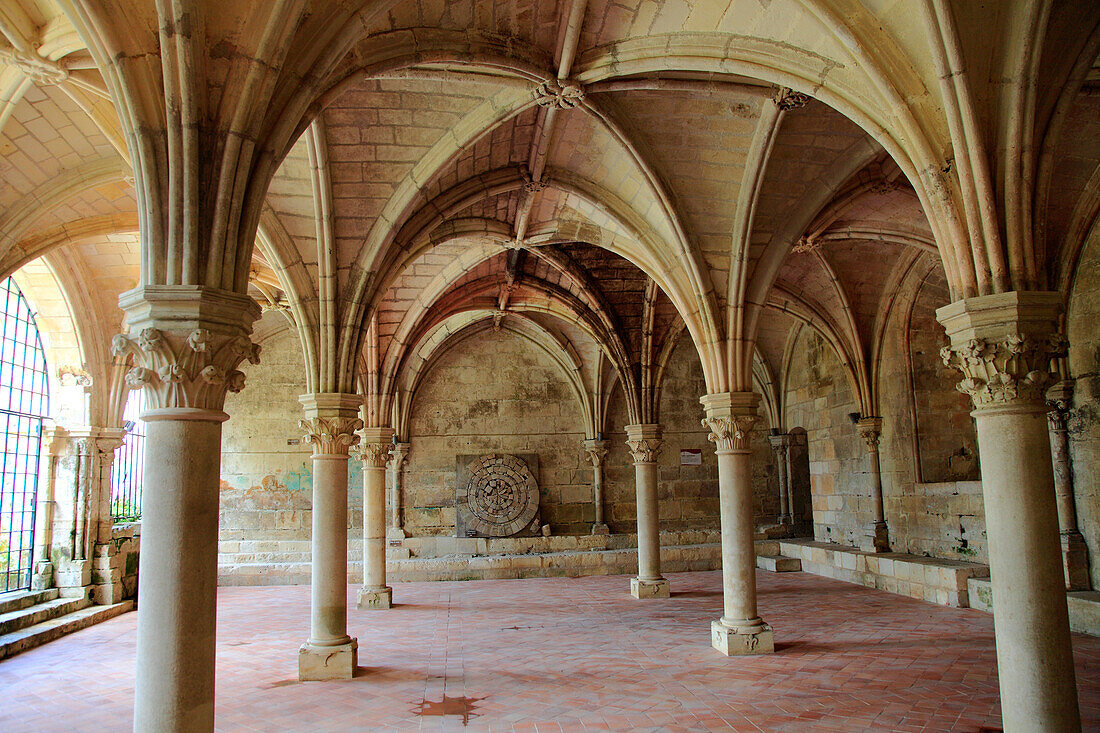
(1006, 345)
(595, 451)
(1059, 399)
(559, 94)
(331, 422)
(870, 429)
(399, 454)
(375, 445)
(186, 343)
(72, 376)
(787, 99)
(780, 444)
(644, 442)
(1014, 368)
(730, 419)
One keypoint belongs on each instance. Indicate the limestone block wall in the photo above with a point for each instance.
(1083, 425)
(932, 491)
(266, 484)
(115, 565)
(819, 399)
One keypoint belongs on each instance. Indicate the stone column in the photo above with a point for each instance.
(187, 343)
(876, 533)
(596, 451)
(740, 630)
(1075, 553)
(1004, 345)
(398, 457)
(330, 424)
(644, 442)
(374, 451)
(780, 444)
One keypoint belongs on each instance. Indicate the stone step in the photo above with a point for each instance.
(54, 628)
(21, 599)
(766, 547)
(40, 612)
(778, 563)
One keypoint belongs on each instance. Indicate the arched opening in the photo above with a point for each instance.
(24, 404)
(129, 463)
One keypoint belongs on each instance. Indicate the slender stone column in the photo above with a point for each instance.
(740, 630)
(790, 480)
(780, 444)
(876, 533)
(374, 452)
(1075, 553)
(398, 457)
(329, 425)
(189, 341)
(1004, 345)
(644, 442)
(596, 450)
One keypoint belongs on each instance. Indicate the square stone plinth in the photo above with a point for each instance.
(327, 662)
(376, 598)
(649, 588)
(733, 643)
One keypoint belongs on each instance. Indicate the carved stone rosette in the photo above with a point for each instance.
(185, 369)
(730, 419)
(1005, 345)
(559, 94)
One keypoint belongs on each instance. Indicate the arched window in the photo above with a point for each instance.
(24, 402)
(129, 463)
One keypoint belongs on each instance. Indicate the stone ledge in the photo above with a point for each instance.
(925, 578)
(1084, 605)
(674, 559)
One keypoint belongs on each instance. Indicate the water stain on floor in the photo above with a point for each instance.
(456, 706)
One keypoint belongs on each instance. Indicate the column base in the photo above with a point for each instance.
(734, 641)
(876, 537)
(649, 588)
(785, 519)
(600, 528)
(376, 598)
(395, 533)
(1075, 560)
(316, 663)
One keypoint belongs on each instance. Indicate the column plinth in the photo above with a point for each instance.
(1005, 344)
(644, 443)
(330, 425)
(730, 419)
(374, 451)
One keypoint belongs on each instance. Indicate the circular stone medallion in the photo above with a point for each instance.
(502, 495)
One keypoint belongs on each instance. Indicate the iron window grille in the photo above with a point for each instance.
(126, 471)
(24, 403)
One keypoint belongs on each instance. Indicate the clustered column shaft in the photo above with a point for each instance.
(644, 442)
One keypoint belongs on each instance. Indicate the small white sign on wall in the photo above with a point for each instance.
(691, 457)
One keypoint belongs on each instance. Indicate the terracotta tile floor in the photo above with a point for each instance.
(564, 654)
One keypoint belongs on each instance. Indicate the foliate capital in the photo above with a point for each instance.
(870, 429)
(1006, 345)
(375, 445)
(780, 443)
(330, 436)
(186, 343)
(559, 94)
(644, 442)
(595, 451)
(399, 454)
(1059, 400)
(730, 419)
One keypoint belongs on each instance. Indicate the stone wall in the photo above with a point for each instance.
(1083, 425)
(932, 492)
(267, 477)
